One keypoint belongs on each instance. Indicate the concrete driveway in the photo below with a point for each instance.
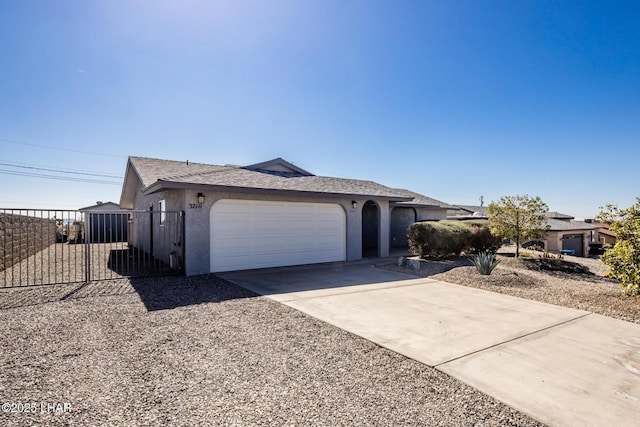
(561, 366)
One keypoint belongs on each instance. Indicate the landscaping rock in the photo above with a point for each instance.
(414, 264)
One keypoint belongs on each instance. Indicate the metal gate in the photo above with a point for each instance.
(42, 246)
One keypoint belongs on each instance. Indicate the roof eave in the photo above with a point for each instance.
(130, 186)
(409, 204)
(162, 185)
(574, 229)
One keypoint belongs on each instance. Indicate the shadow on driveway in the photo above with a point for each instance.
(284, 280)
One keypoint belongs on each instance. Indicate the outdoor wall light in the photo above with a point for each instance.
(200, 198)
(354, 204)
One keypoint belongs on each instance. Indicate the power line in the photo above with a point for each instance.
(59, 170)
(61, 149)
(61, 178)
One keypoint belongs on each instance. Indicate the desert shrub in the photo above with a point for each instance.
(534, 245)
(485, 262)
(442, 239)
(419, 238)
(455, 236)
(438, 239)
(549, 255)
(623, 259)
(480, 237)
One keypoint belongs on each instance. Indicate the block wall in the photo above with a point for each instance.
(22, 236)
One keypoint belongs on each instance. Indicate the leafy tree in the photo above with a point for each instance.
(623, 259)
(518, 218)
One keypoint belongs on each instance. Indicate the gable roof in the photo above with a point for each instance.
(102, 206)
(279, 166)
(275, 175)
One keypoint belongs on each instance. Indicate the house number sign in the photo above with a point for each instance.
(195, 205)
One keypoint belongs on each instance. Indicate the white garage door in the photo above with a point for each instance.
(249, 234)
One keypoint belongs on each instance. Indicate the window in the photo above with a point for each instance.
(163, 211)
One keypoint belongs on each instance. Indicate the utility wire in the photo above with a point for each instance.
(59, 170)
(61, 149)
(62, 178)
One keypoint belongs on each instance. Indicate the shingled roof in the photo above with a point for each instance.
(421, 200)
(157, 174)
(558, 215)
(564, 225)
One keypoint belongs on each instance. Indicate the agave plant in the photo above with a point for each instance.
(485, 262)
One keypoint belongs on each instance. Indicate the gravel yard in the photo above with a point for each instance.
(522, 278)
(201, 351)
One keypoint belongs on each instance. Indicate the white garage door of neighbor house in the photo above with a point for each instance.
(248, 234)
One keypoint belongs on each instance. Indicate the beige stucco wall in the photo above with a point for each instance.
(553, 241)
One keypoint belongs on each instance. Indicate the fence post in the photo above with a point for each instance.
(182, 239)
(87, 251)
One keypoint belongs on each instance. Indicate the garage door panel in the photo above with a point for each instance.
(256, 234)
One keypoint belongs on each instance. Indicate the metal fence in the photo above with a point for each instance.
(43, 246)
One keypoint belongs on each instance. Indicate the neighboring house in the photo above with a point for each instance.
(268, 214)
(467, 212)
(605, 235)
(105, 223)
(565, 233)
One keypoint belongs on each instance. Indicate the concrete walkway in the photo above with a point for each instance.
(561, 366)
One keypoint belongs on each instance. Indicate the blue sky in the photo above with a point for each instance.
(452, 99)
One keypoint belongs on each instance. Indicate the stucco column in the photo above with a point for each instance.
(197, 233)
(384, 228)
(354, 230)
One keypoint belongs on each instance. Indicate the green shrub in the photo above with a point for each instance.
(419, 238)
(438, 239)
(455, 238)
(623, 259)
(485, 262)
(480, 237)
(441, 239)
